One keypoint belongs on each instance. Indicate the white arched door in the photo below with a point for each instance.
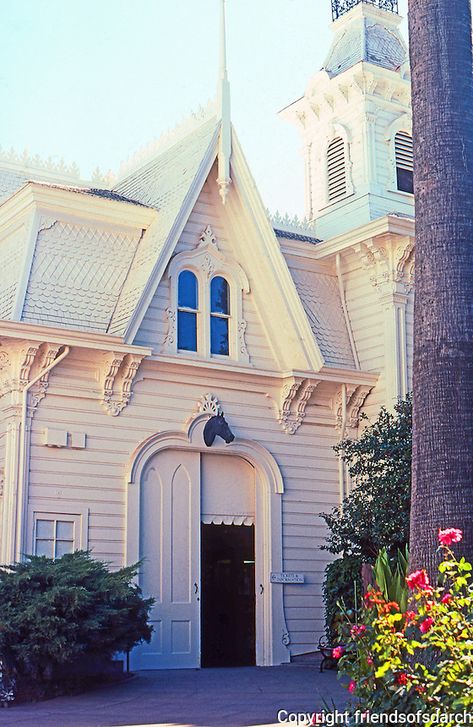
(170, 549)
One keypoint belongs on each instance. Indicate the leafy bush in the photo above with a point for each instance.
(376, 513)
(342, 584)
(58, 612)
(419, 661)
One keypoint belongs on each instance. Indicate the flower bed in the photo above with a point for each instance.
(419, 660)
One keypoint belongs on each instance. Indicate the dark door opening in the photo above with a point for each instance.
(228, 595)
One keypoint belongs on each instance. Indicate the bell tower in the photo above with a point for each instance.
(355, 121)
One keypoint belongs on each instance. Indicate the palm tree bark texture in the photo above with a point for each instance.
(442, 102)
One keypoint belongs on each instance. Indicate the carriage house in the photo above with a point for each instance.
(137, 319)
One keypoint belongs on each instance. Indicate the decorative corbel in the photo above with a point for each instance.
(337, 405)
(27, 357)
(355, 403)
(41, 387)
(117, 377)
(294, 397)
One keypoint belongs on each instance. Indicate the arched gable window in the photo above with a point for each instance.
(404, 162)
(336, 169)
(187, 309)
(219, 316)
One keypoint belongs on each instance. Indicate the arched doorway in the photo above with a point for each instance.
(172, 486)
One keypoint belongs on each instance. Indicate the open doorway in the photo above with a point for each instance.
(228, 595)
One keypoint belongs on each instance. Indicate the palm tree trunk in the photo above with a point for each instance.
(442, 101)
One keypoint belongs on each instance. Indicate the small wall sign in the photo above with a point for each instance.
(287, 578)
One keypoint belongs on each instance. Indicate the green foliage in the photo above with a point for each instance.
(390, 575)
(420, 661)
(57, 612)
(376, 513)
(342, 585)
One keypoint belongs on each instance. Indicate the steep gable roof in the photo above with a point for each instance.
(169, 183)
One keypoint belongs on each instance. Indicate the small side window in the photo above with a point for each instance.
(187, 309)
(404, 162)
(54, 537)
(219, 316)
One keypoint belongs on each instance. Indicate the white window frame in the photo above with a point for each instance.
(75, 514)
(206, 261)
(333, 132)
(402, 123)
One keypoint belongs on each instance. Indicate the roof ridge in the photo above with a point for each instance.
(148, 152)
(27, 163)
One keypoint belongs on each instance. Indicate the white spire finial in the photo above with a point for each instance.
(223, 97)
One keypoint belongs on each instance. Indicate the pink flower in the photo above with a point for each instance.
(357, 630)
(419, 579)
(352, 686)
(370, 661)
(426, 625)
(447, 597)
(449, 536)
(338, 652)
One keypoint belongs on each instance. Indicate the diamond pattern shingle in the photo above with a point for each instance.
(364, 40)
(77, 275)
(321, 300)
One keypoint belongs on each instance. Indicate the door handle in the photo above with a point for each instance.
(196, 589)
(261, 589)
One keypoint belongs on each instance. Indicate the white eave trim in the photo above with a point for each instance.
(68, 203)
(389, 224)
(80, 339)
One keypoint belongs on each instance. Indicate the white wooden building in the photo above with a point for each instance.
(130, 316)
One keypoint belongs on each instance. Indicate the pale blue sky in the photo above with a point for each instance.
(94, 80)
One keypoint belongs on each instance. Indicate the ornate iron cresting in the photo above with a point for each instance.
(340, 7)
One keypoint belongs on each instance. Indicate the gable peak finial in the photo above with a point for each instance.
(223, 104)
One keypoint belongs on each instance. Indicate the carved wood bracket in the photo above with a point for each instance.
(389, 262)
(356, 397)
(117, 375)
(293, 399)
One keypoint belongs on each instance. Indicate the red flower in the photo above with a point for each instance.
(449, 536)
(419, 579)
(447, 597)
(410, 616)
(370, 661)
(426, 625)
(338, 652)
(391, 605)
(352, 686)
(402, 678)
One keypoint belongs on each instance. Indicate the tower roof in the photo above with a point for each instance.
(366, 33)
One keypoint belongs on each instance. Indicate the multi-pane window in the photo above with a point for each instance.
(53, 536)
(219, 316)
(336, 169)
(187, 309)
(404, 162)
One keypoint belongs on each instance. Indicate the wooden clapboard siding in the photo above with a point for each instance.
(163, 400)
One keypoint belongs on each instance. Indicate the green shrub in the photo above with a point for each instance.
(421, 661)
(59, 612)
(376, 513)
(342, 585)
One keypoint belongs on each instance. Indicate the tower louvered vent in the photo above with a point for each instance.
(336, 169)
(404, 162)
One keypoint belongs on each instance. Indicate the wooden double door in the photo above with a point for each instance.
(198, 560)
